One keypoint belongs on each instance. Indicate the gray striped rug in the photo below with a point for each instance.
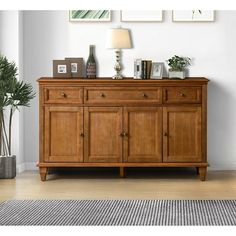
(118, 212)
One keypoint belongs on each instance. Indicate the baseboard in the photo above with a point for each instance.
(222, 166)
(213, 166)
(26, 166)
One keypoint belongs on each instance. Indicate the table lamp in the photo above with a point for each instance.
(118, 38)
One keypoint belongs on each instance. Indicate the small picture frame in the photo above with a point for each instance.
(76, 66)
(61, 68)
(157, 70)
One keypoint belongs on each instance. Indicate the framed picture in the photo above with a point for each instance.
(157, 70)
(89, 15)
(140, 16)
(76, 66)
(193, 16)
(61, 68)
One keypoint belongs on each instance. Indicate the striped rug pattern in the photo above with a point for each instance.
(118, 212)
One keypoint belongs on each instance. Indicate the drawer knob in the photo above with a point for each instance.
(182, 94)
(63, 95)
(124, 134)
(102, 95)
(145, 95)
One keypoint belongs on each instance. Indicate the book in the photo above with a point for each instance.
(138, 68)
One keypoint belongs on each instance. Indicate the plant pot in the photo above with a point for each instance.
(7, 167)
(176, 74)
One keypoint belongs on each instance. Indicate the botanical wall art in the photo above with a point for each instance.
(90, 15)
(193, 15)
(141, 16)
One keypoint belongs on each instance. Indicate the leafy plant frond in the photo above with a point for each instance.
(13, 94)
(178, 63)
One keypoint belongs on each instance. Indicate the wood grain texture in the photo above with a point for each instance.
(182, 94)
(145, 183)
(182, 134)
(63, 95)
(63, 126)
(143, 139)
(125, 123)
(122, 94)
(103, 126)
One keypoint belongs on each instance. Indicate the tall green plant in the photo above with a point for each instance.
(13, 94)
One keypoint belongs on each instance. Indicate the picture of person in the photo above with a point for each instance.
(74, 67)
(61, 69)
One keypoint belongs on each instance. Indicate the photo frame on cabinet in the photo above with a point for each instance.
(157, 70)
(89, 15)
(61, 68)
(76, 66)
(193, 16)
(141, 16)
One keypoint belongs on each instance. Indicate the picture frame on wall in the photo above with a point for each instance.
(141, 16)
(89, 15)
(61, 68)
(76, 66)
(157, 70)
(193, 16)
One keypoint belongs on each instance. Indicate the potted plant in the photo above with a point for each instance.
(177, 66)
(13, 94)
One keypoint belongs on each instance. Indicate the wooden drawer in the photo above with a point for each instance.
(123, 95)
(63, 95)
(182, 95)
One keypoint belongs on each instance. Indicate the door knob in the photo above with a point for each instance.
(82, 135)
(165, 134)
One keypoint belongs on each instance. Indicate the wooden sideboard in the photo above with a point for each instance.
(123, 123)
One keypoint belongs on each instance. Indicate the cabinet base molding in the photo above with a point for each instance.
(201, 167)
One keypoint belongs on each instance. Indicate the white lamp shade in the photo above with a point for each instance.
(118, 39)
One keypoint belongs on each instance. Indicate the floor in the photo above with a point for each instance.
(105, 183)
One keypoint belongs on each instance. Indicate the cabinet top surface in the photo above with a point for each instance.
(104, 80)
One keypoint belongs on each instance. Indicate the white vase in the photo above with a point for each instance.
(176, 74)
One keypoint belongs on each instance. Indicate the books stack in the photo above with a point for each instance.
(142, 69)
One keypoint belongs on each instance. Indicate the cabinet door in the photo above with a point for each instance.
(63, 134)
(143, 134)
(103, 142)
(182, 134)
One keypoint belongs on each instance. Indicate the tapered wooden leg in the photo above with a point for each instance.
(197, 169)
(122, 172)
(202, 173)
(43, 173)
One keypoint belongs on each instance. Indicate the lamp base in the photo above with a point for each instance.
(117, 76)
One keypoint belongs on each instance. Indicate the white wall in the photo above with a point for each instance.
(49, 35)
(11, 47)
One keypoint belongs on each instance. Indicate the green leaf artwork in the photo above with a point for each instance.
(90, 15)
